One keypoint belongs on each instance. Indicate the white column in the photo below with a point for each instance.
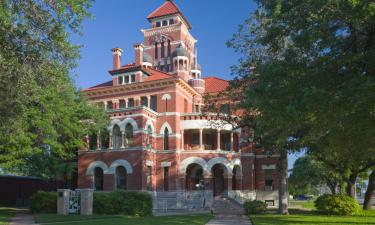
(122, 139)
(98, 141)
(182, 139)
(201, 139)
(110, 144)
(218, 139)
(231, 140)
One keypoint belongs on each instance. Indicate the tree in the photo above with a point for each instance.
(314, 80)
(308, 175)
(370, 191)
(43, 115)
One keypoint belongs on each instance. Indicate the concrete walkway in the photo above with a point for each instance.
(229, 220)
(22, 217)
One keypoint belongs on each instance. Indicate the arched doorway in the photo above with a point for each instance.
(218, 171)
(194, 177)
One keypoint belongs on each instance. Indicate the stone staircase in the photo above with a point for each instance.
(227, 206)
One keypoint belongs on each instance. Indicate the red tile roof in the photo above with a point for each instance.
(215, 84)
(153, 75)
(156, 75)
(168, 8)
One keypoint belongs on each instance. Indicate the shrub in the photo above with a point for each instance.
(255, 207)
(123, 202)
(44, 202)
(337, 205)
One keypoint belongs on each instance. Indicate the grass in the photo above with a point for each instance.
(5, 215)
(298, 217)
(309, 205)
(118, 220)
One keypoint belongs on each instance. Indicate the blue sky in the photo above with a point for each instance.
(117, 23)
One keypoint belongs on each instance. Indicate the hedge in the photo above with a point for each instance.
(123, 202)
(44, 202)
(337, 205)
(254, 207)
(110, 203)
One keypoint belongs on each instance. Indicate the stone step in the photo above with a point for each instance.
(226, 206)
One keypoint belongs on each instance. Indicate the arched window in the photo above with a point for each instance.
(121, 174)
(166, 139)
(116, 137)
(149, 136)
(93, 141)
(129, 134)
(162, 50)
(98, 179)
(156, 51)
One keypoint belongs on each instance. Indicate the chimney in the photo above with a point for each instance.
(116, 52)
(138, 54)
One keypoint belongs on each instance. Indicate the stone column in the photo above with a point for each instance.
(182, 139)
(98, 147)
(110, 144)
(122, 139)
(63, 201)
(229, 181)
(231, 140)
(207, 177)
(201, 139)
(86, 201)
(218, 139)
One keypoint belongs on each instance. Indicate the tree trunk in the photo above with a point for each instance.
(350, 188)
(283, 187)
(332, 187)
(369, 192)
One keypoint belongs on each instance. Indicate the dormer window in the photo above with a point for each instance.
(165, 23)
(158, 24)
(171, 21)
(126, 79)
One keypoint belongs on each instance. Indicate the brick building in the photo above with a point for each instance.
(158, 140)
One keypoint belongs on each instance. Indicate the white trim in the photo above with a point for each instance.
(131, 121)
(166, 164)
(149, 163)
(267, 156)
(269, 167)
(166, 97)
(220, 160)
(166, 125)
(91, 168)
(192, 160)
(169, 114)
(149, 123)
(204, 124)
(117, 163)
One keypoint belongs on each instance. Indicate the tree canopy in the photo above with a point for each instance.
(314, 80)
(43, 115)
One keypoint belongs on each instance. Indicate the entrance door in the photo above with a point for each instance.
(218, 179)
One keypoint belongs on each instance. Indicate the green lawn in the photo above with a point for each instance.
(118, 220)
(311, 218)
(5, 214)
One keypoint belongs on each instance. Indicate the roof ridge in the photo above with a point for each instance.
(166, 2)
(219, 78)
(150, 68)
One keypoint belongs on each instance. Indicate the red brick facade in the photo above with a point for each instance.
(157, 132)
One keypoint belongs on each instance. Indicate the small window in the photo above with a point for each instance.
(166, 178)
(122, 104)
(121, 174)
(120, 79)
(126, 79)
(131, 102)
(149, 178)
(268, 180)
(98, 179)
(225, 109)
(109, 105)
(158, 24)
(153, 103)
(132, 78)
(196, 108)
(166, 139)
(144, 101)
(171, 21)
(165, 22)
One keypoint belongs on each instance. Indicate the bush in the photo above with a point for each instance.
(254, 207)
(123, 202)
(44, 202)
(337, 205)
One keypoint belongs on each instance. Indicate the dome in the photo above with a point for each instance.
(180, 51)
(197, 67)
(147, 58)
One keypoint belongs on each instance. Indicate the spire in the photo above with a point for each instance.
(166, 9)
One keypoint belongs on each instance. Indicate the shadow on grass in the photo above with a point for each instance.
(6, 214)
(115, 220)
